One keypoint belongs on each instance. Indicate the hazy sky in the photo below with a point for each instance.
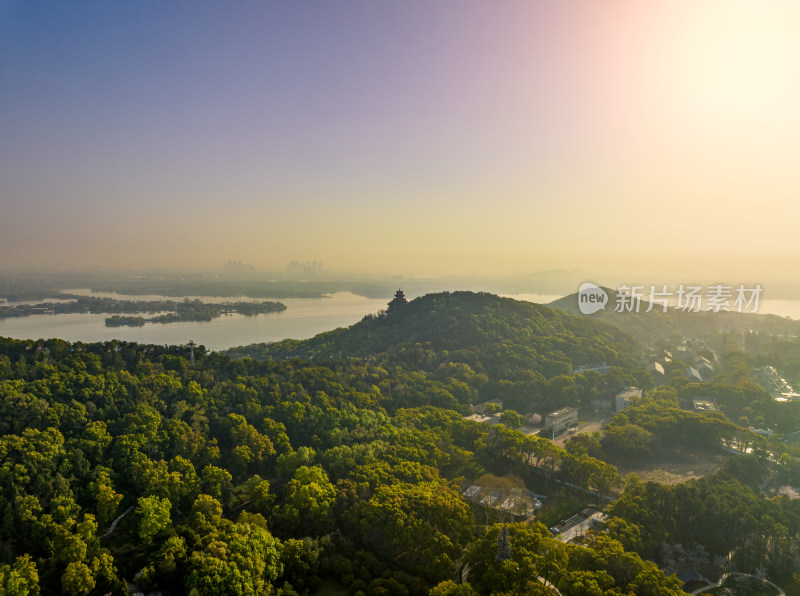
(414, 136)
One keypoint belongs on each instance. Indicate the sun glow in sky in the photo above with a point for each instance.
(428, 137)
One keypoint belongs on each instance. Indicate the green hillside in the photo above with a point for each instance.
(517, 352)
(649, 327)
(499, 335)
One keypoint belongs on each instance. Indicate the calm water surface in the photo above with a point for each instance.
(303, 318)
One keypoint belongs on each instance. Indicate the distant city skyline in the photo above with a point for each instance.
(455, 137)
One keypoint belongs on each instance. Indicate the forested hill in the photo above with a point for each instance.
(648, 327)
(493, 334)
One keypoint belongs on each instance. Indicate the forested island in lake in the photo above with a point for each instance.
(124, 321)
(173, 311)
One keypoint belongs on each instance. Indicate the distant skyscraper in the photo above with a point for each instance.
(238, 267)
(306, 268)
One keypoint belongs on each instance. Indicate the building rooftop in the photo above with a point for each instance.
(701, 405)
(562, 411)
(629, 392)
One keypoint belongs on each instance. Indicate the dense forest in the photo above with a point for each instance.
(520, 351)
(125, 468)
(237, 476)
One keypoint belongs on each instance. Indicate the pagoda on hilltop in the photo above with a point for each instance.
(398, 301)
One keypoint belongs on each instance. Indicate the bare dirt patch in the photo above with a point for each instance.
(676, 467)
(788, 491)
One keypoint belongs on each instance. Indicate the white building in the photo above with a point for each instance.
(561, 420)
(627, 397)
(598, 367)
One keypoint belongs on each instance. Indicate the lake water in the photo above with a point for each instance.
(303, 318)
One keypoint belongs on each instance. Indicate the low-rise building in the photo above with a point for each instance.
(598, 367)
(693, 374)
(704, 405)
(578, 524)
(627, 397)
(657, 370)
(561, 420)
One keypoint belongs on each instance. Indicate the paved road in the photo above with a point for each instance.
(116, 521)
